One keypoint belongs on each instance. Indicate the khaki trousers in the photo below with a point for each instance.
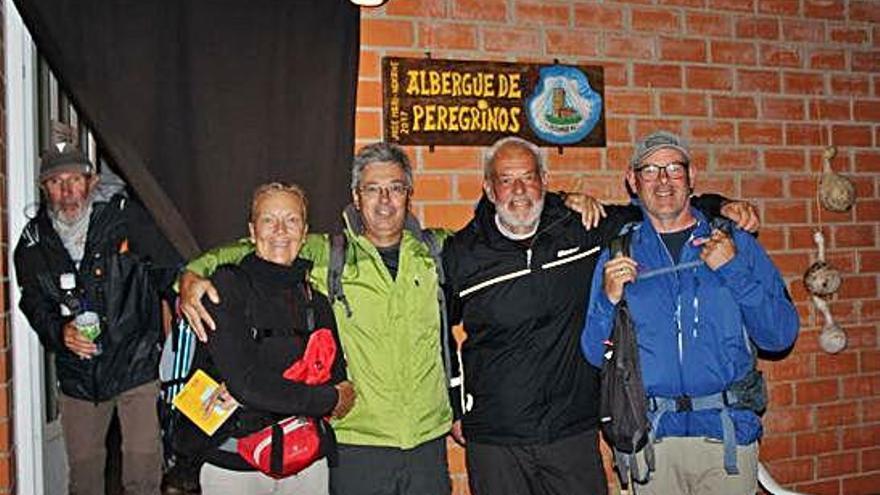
(85, 427)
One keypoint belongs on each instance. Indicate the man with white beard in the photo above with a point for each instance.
(92, 249)
(517, 277)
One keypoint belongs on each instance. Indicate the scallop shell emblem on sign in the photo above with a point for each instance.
(563, 108)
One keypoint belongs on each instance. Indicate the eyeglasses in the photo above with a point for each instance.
(395, 190)
(651, 171)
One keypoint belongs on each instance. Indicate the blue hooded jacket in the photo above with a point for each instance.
(694, 325)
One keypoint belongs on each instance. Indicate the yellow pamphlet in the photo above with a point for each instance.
(193, 398)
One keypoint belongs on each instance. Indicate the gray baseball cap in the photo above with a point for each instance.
(658, 141)
(64, 158)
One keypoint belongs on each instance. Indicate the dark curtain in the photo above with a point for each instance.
(198, 101)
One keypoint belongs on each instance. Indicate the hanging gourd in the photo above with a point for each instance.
(836, 192)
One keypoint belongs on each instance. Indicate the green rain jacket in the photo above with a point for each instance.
(391, 340)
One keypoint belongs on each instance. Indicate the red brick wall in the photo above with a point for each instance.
(7, 471)
(759, 87)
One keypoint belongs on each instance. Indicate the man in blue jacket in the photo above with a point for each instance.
(701, 299)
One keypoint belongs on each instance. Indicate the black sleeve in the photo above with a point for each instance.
(617, 217)
(235, 355)
(324, 318)
(37, 304)
(453, 318)
(147, 241)
(709, 204)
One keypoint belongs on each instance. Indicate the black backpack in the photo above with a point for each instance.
(623, 403)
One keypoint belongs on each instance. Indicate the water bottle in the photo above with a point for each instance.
(69, 301)
(89, 325)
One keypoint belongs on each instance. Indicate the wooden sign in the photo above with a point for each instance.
(473, 103)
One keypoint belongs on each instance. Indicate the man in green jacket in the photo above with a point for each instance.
(393, 440)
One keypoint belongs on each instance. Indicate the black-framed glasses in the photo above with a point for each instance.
(651, 171)
(393, 190)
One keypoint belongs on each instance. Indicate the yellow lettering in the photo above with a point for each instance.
(489, 89)
(430, 122)
(453, 118)
(515, 91)
(442, 113)
(446, 84)
(514, 119)
(418, 112)
(503, 85)
(456, 83)
(434, 83)
(412, 82)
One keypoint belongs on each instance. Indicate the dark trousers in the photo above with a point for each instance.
(569, 466)
(364, 470)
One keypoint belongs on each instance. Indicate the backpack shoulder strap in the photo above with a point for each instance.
(621, 242)
(338, 245)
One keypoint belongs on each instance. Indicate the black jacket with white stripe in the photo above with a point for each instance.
(523, 306)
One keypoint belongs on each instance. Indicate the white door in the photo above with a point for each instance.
(41, 465)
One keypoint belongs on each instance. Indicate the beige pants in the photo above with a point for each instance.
(312, 480)
(695, 466)
(85, 429)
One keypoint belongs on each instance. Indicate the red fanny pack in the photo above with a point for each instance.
(293, 444)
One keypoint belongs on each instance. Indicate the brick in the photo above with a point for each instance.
(803, 83)
(777, 446)
(766, 28)
(736, 107)
(850, 84)
(866, 61)
(452, 158)
(626, 46)
(826, 9)
(598, 16)
(682, 49)
(867, 210)
(849, 35)
(688, 104)
(817, 391)
(657, 76)
(822, 110)
(871, 460)
(828, 487)
(860, 437)
(647, 126)
(486, 10)
(842, 414)
(709, 78)
(368, 65)
(417, 8)
(867, 161)
(615, 74)
(571, 42)
(864, 10)
(782, 108)
(628, 102)
(867, 110)
(795, 367)
(432, 188)
(785, 212)
(576, 159)
(733, 52)
(801, 30)
(792, 471)
(369, 94)
(837, 364)
(367, 126)
(762, 187)
(468, 187)
(708, 24)
(780, 56)
(707, 131)
(382, 32)
(813, 443)
(827, 59)
(780, 394)
(533, 12)
(655, 20)
(837, 464)
(450, 216)
(762, 81)
(854, 236)
(511, 40)
(869, 261)
(448, 36)
(759, 133)
(804, 135)
(851, 135)
(784, 7)
(736, 5)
